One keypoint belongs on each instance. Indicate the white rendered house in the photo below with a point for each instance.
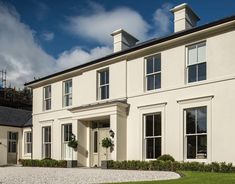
(173, 95)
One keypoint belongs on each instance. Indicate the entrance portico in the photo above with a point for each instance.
(94, 123)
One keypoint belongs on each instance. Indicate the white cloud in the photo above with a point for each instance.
(100, 23)
(162, 19)
(48, 36)
(20, 54)
(23, 58)
(77, 56)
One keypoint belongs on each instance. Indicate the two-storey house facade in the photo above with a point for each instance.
(173, 95)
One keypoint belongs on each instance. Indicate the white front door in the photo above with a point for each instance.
(98, 153)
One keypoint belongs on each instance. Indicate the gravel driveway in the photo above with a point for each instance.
(17, 175)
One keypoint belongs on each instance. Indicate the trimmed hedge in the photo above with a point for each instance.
(168, 165)
(43, 163)
(166, 157)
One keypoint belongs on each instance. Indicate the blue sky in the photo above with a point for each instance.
(51, 35)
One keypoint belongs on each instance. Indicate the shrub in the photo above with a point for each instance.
(168, 165)
(215, 166)
(225, 168)
(166, 157)
(43, 163)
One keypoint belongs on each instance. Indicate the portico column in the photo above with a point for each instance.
(118, 126)
(113, 127)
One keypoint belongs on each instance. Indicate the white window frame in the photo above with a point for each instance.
(151, 137)
(199, 101)
(46, 99)
(197, 63)
(195, 134)
(65, 143)
(103, 85)
(46, 143)
(27, 143)
(70, 94)
(152, 74)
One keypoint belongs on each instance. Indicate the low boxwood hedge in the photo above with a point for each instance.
(169, 165)
(43, 163)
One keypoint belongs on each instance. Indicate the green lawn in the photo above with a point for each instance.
(197, 178)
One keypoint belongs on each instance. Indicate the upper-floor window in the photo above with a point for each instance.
(47, 98)
(196, 65)
(103, 84)
(67, 94)
(153, 72)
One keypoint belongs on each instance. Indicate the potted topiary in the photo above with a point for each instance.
(73, 143)
(107, 143)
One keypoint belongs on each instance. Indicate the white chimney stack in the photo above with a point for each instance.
(122, 40)
(184, 17)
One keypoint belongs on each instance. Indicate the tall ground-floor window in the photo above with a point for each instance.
(196, 133)
(152, 135)
(46, 142)
(66, 137)
(28, 142)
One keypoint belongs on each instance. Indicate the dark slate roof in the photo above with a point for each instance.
(15, 117)
(139, 46)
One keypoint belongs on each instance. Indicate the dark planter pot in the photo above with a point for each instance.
(71, 163)
(104, 164)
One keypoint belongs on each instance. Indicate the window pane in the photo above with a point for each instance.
(201, 120)
(104, 90)
(157, 63)
(107, 77)
(47, 150)
(70, 132)
(66, 133)
(102, 78)
(47, 91)
(107, 91)
(68, 86)
(157, 125)
(201, 71)
(192, 55)
(202, 147)
(149, 125)
(13, 147)
(150, 82)
(149, 148)
(190, 121)
(149, 63)
(201, 52)
(158, 147)
(192, 73)
(191, 147)
(47, 134)
(29, 148)
(95, 142)
(48, 104)
(157, 81)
